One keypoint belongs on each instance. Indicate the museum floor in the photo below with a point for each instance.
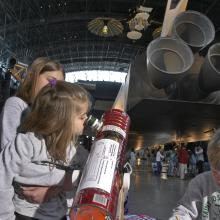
(151, 195)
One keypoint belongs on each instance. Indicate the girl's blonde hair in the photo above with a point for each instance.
(51, 116)
(213, 150)
(26, 91)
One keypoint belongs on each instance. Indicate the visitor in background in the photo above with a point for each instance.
(173, 160)
(192, 163)
(132, 158)
(200, 158)
(159, 158)
(183, 158)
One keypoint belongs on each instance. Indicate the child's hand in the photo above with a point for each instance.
(40, 194)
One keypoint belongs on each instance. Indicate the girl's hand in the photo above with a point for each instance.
(40, 194)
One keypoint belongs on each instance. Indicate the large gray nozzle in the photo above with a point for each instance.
(167, 60)
(140, 86)
(194, 28)
(209, 77)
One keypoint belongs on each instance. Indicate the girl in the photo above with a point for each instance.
(38, 75)
(41, 154)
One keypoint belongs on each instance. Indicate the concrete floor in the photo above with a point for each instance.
(153, 196)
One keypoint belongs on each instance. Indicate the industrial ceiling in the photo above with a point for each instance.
(59, 29)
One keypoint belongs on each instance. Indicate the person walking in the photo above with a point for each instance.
(183, 161)
(159, 158)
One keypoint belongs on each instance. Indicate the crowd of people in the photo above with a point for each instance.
(180, 160)
(183, 161)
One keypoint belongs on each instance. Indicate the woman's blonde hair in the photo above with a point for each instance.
(213, 150)
(51, 116)
(26, 91)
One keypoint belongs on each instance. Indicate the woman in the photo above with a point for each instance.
(41, 71)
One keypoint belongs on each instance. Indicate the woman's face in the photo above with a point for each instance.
(79, 120)
(44, 79)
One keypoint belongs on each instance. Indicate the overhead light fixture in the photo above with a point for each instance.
(105, 27)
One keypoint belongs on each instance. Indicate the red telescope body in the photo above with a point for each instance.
(98, 190)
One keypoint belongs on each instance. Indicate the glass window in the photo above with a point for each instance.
(96, 75)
